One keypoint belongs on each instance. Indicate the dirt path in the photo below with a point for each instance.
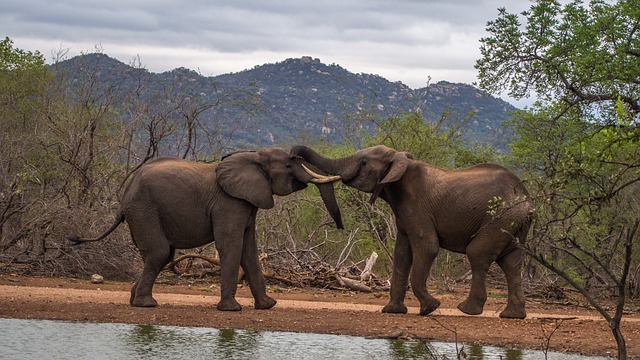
(316, 311)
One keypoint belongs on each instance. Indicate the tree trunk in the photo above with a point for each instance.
(622, 346)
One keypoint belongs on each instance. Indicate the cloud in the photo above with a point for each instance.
(406, 40)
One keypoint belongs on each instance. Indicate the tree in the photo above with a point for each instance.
(580, 55)
(23, 79)
(579, 145)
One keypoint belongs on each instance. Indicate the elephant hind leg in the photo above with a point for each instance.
(482, 252)
(253, 272)
(474, 304)
(154, 262)
(511, 264)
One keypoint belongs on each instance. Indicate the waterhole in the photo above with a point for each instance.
(46, 339)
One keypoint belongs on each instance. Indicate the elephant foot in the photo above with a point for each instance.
(513, 313)
(266, 303)
(395, 308)
(429, 306)
(469, 309)
(229, 305)
(144, 301)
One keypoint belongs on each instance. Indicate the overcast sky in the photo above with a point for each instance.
(401, 40)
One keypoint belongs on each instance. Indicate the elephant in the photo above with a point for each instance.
(478, 211)
(174, 204)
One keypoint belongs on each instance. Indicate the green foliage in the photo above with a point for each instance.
(476, 154)
(576, 53)
(427, 141)
(437, 143)
(585, 180)
(13, 59)
(23, 80)
(579, 146)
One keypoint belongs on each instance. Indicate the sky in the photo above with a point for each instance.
(412, 41)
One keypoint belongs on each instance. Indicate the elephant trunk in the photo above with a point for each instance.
(329, 199)
(324, 183)
(328, 165)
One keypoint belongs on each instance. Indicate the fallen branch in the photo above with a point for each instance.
(368, 268)
(172, 265)
(352, 284)
(297, 273)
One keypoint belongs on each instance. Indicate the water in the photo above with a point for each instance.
(44, 339)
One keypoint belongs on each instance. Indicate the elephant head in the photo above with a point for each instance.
(256, 176)
(367, 170)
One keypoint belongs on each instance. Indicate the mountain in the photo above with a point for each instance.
(280, 103)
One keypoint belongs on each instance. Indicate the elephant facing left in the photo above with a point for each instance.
(174, 204)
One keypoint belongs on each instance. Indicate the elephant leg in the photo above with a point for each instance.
(229, 245)
(252, 270)
(482, 252)
(425, 250)
(511, 264)
(154, 262)
(402, 260)
(156, 252)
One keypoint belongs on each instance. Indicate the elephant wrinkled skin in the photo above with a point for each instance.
(178, 204)
(478, 211)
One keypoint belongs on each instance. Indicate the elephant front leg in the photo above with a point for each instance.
(402, 260)
(229, 267)
(425, 251)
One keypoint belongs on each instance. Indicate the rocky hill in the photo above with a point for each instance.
(297, 98)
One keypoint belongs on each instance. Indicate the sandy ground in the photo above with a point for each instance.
(577, 329)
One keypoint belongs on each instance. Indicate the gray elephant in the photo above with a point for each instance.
(477, 211)
(177, 204)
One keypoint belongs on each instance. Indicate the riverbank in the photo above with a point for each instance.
(577, 329)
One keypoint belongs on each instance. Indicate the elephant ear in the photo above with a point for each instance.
(242, 175)
(397, 167)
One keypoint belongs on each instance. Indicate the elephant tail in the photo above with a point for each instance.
(76, 240)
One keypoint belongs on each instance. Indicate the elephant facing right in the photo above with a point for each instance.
(478, 211)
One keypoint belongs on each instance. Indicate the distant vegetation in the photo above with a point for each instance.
(279, 103)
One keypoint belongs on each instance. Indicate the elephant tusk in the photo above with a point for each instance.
(321, 179)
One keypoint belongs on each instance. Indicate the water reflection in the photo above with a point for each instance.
(512, 354)
(232, 342)
(143, 340)
(33, 339)
(401, 349)
(483, 352)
